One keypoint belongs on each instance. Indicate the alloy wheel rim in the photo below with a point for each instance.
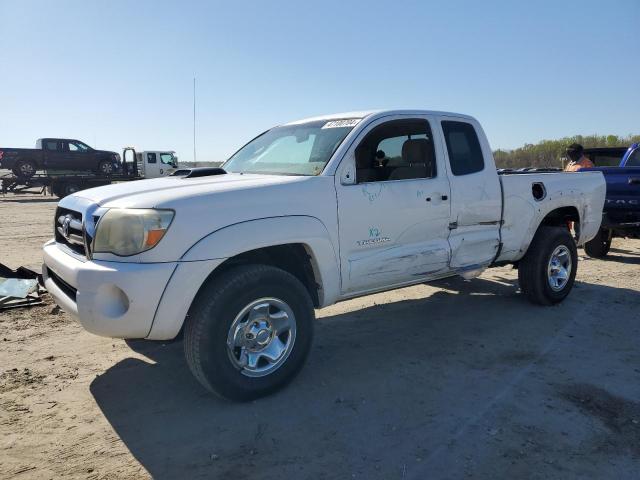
(26, 169)
(261, 337)
(559, 268)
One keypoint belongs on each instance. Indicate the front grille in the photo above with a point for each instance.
(68, 230)
(68, 290)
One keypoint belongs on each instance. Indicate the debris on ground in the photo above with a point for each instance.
(19, 288)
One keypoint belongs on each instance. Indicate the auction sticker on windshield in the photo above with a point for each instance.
(349, 122)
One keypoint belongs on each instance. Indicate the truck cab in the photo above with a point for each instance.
(149, 163)
(157, 163)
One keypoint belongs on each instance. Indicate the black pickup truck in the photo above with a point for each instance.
(58, 154)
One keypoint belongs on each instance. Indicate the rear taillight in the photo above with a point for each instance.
(1, 154)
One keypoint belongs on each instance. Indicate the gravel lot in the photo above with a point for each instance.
(452, 380)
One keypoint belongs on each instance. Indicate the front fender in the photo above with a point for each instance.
(242, 237)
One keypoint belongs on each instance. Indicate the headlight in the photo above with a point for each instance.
(126, 232)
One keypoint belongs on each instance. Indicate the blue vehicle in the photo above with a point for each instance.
(621, 215)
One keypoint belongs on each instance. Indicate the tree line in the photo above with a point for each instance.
(549, 153)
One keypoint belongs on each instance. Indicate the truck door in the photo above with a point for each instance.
(78, 156)
(476, 197)
(52, 153)
(151, 165)
(623, 190)
(168, 164)
(393, 217)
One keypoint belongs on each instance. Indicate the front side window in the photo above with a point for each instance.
(396, 150)
(463, 146)
(302, 149)
(167, 158)
(77, 147)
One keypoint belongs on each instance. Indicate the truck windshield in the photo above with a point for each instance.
(301, 149)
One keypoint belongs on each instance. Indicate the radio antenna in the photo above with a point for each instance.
(194, 122)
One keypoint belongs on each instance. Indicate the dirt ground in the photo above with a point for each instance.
(452, 380)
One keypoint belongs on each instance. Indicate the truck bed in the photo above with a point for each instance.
(530, 196)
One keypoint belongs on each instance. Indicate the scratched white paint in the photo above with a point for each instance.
(523, 214)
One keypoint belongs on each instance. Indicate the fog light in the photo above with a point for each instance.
(111, 302)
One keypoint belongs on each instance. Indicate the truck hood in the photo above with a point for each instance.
(168, 190)
(205, 205)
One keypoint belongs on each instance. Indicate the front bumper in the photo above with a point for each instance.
(124, 300)
(111, 299)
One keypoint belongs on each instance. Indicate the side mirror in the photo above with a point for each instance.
(348, 171)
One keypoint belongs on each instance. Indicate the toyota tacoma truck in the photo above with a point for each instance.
(58, 154)
(305, 215)
(621, 215)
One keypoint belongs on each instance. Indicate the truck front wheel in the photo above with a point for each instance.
(548, 270)
(599, 245)
(249, 331)
(106, 168)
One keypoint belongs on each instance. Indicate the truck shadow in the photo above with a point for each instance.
(628, 259)
(378, 382)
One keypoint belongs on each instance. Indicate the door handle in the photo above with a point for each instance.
(442, 197)
(634, 180)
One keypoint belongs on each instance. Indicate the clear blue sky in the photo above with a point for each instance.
(116, 73)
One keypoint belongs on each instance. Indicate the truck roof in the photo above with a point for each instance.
(60, 139)
(375, 114)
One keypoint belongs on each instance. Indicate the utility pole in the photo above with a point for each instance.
(194, 123)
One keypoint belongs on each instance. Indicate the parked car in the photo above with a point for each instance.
(131, 166)
(305, 215)
(58, 154)
(621, 215)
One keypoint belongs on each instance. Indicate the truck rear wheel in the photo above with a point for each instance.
(249, 331)
(599, 245)
(106, 168)
(62, 189)
(548, 270)
(24, 169)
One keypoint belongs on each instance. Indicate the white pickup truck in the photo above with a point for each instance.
(305, 215)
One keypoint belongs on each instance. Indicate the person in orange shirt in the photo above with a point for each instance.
(575, 152)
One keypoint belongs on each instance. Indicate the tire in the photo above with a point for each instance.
(57, 191)
(25, 168)
(64, 189)
(223, 306)
(105, 168)
(552, 250)
(599, 246)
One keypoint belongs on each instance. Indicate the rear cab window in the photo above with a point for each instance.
(463, 147)
(51, 145)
